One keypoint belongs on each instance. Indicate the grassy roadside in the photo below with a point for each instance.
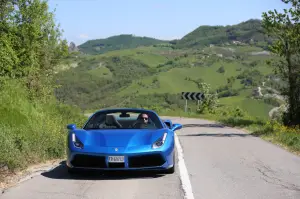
(31, 131)
(272, 131)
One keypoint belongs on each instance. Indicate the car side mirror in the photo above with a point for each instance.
(176, 127)
(168, 123)
(71, 126)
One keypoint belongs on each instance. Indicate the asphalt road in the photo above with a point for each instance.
(217, 162)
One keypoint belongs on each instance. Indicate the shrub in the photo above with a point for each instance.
(31, 130)
(210, 101)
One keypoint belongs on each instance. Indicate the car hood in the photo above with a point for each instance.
(119, 138)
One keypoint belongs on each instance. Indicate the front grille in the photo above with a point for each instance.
(150, 160)
(90, 161)
(116, 165)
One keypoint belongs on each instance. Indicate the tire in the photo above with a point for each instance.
(172, 169)
(72, 171)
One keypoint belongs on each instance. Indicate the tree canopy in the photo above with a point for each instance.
(30, 43)
(285, 28)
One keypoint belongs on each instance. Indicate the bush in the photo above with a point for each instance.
(221, 70)
(226, 91)
(30, 130)
(210, 101)
(272, 101)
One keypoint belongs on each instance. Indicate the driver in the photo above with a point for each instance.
(142, 121)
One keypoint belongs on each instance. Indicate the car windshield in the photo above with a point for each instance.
(124, 120)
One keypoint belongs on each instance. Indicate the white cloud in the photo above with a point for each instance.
(83, 36)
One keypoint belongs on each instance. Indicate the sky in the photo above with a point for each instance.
(82, 20)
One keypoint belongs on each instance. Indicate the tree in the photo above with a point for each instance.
(230, 81)
(8, 56)
(210, 101)
(221, 69)
(30, 43)
(284, 28)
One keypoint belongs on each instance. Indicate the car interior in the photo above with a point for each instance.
(121, 121)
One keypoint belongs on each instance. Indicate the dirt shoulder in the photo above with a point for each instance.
(10, 179)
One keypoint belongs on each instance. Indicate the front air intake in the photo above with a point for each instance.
(150, 160)
(89, 161)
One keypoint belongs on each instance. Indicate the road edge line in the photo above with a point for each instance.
(184, 175)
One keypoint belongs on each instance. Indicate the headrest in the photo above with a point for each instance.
(110, 119)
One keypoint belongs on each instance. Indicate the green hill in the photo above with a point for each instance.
(155, 77)
(118, 42)
(249, 32)
(144, 72)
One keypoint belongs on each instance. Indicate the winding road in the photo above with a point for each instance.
(213, 162)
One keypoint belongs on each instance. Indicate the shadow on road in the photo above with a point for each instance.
(60, 172)
(203, 125)
(219, 135)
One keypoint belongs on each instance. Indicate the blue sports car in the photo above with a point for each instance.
(122, 139)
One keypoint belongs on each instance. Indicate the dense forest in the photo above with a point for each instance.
(118, 42)
(250, 32)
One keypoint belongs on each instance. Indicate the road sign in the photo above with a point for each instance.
(192, 95)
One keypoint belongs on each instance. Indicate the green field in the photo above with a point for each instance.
(134, 71)
(254, 107)
(122, 77)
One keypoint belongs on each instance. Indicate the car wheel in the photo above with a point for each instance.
(172, 169)
(72, 171)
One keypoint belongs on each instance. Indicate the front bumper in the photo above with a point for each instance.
(141, 161)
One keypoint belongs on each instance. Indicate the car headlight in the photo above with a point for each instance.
(77, 143)
(158, 143)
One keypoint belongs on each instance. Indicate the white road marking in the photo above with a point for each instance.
(184, 175)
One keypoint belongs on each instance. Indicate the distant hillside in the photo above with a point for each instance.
(249, 32)
(154, 77)
(118, 42)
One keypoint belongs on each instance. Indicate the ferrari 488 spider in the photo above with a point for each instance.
(122, 139)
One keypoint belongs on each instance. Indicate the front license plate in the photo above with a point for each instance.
(115, 158)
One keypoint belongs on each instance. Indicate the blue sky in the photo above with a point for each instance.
(82, 20)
